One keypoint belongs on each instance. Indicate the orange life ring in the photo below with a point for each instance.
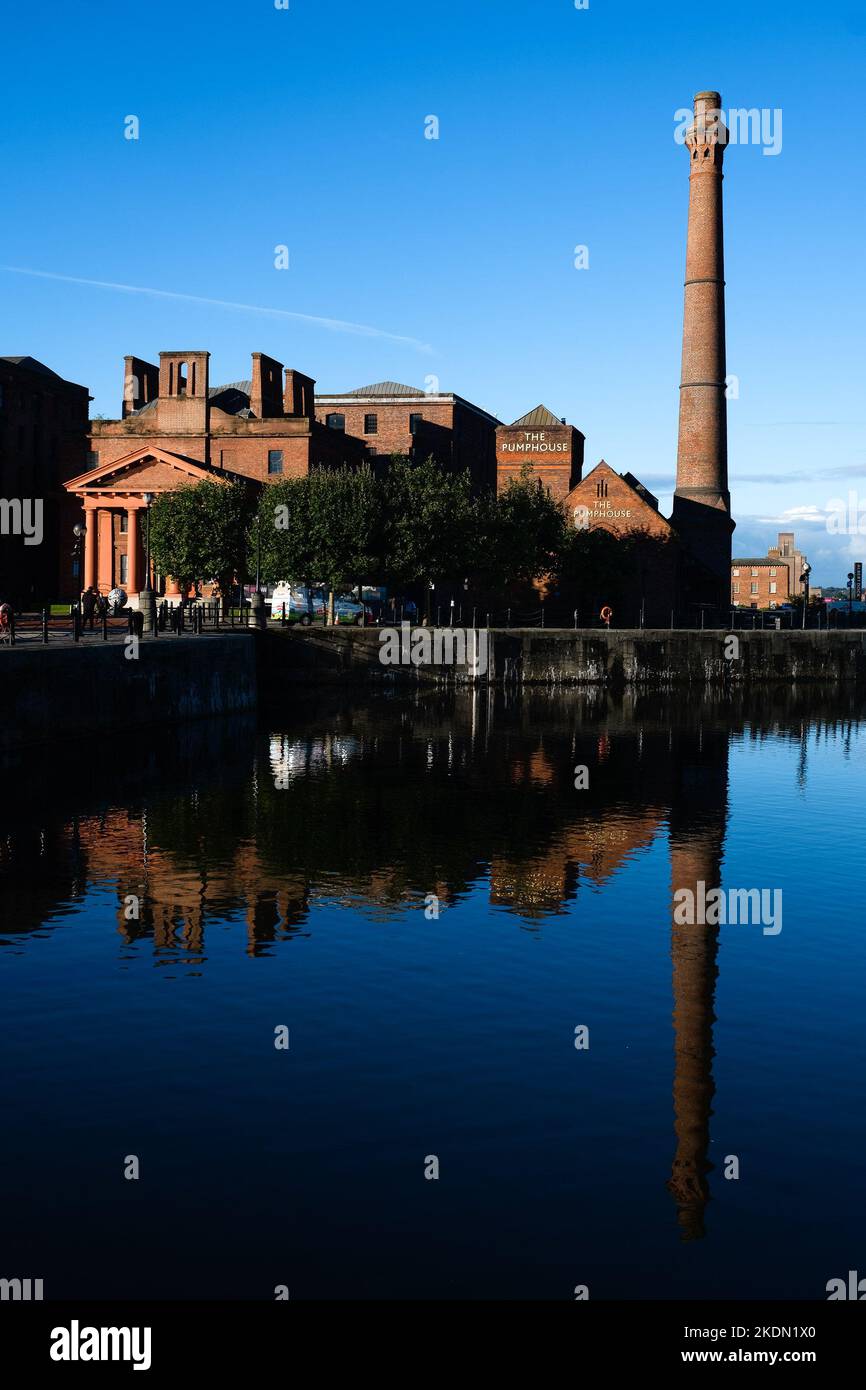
(606, 613)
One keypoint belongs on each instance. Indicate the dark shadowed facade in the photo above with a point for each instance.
(43, 441)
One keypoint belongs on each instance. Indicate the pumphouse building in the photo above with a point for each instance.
(545, 443)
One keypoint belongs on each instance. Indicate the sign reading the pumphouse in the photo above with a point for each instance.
(533, 442)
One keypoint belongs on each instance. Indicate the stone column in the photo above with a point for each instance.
(132, 550)
(105, 550)
(91, 540)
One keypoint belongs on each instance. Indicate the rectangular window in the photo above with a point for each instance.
(124, 523)
(736, 588)
(371, 424)
(415, 423)
(754, 574)
(753, 588)
(372, 450)
(772, 574)
(93, 458)
(772, 587)
(275, 460)
(124, 569)
(735, 573)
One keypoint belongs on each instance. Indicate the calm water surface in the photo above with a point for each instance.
(288, 875)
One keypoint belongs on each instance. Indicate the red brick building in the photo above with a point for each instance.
(551, 447)
(616, 502)
(43, 441)
(620, 504)
(771, 579)
(176, 428)
(390, 418)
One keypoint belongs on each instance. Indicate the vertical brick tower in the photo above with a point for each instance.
(702, 503)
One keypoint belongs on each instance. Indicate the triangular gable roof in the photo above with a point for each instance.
(539, 417)
(33, 365)
(628, 481)
(102, 475)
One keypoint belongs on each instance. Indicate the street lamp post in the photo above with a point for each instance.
(79, 532)
(850, 594)
(258, 616)
(146, 599)
(804, 580)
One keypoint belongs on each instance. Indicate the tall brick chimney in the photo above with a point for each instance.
(702, 503)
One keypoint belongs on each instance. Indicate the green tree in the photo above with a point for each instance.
(523, 532)
(284, 535)
(345, 520)
(430, 523)
(322, 528)
(202, 532)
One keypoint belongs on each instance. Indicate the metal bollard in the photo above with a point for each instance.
(45, 626)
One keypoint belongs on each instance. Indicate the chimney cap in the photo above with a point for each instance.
(715, 97)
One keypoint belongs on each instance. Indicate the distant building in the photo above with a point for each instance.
(391, 418)
(43, 441)
(769, 580)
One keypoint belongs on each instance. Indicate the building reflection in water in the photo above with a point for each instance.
(376, 807)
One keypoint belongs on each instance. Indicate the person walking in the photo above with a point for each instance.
(88, 608)
(7, 623)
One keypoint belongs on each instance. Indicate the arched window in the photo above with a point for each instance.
(335, 422)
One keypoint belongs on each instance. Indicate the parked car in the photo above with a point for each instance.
(303, 605)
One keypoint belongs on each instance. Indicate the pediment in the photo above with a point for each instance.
(145, 469)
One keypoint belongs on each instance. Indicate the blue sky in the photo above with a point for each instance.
(304, 127)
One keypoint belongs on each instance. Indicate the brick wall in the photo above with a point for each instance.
(759, 583)
(555, 454)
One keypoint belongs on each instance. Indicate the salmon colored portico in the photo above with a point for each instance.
(113, 497)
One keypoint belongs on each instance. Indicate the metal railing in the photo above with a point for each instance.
(207, 616)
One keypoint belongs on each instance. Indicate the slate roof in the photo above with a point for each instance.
(32, 366)
(385, 388)
(540, 417)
